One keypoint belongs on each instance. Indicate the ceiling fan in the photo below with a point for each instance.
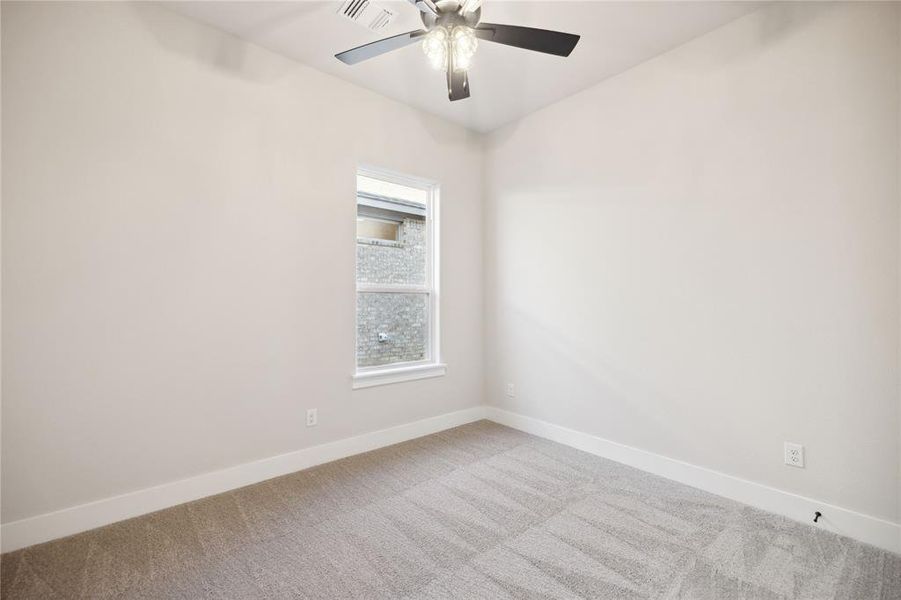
(450, 38)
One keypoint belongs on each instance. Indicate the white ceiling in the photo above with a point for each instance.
(507, 83)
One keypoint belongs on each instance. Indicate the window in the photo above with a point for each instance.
(397, 279)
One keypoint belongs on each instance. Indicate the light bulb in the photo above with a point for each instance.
(464, 43)
(440, 42)
(435, 47)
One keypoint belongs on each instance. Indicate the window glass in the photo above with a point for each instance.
(377, 229)
(391, 328)
(401, 262)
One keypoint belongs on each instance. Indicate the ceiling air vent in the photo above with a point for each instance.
(366, 13)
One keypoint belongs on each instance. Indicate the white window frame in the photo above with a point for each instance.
(364, 377)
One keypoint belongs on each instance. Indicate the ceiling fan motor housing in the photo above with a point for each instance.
(451, 14)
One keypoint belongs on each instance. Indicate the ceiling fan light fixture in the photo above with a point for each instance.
(450, 37)
(458, 42)
(464, 44)
(435, 47)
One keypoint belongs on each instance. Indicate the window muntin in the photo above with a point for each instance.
(397, 299)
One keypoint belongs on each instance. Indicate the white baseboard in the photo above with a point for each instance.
(42, 528)
(871, 530)
(49, 526)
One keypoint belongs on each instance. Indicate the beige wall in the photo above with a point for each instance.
(178, 252)
(700, 256)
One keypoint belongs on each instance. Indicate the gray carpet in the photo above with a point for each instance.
(480, 511)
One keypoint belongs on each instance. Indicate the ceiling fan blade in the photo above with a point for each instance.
(457, 84)
(539, 40)
(373, 49)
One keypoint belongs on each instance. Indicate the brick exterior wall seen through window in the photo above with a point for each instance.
(401, 319)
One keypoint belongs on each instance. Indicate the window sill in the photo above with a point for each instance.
(397, 375)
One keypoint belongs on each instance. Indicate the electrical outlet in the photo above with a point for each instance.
(794, 455)
(510, 390)
(312, 417)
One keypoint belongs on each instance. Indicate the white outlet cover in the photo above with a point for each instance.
(511, 391)
(794, 455)
(312, 417)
